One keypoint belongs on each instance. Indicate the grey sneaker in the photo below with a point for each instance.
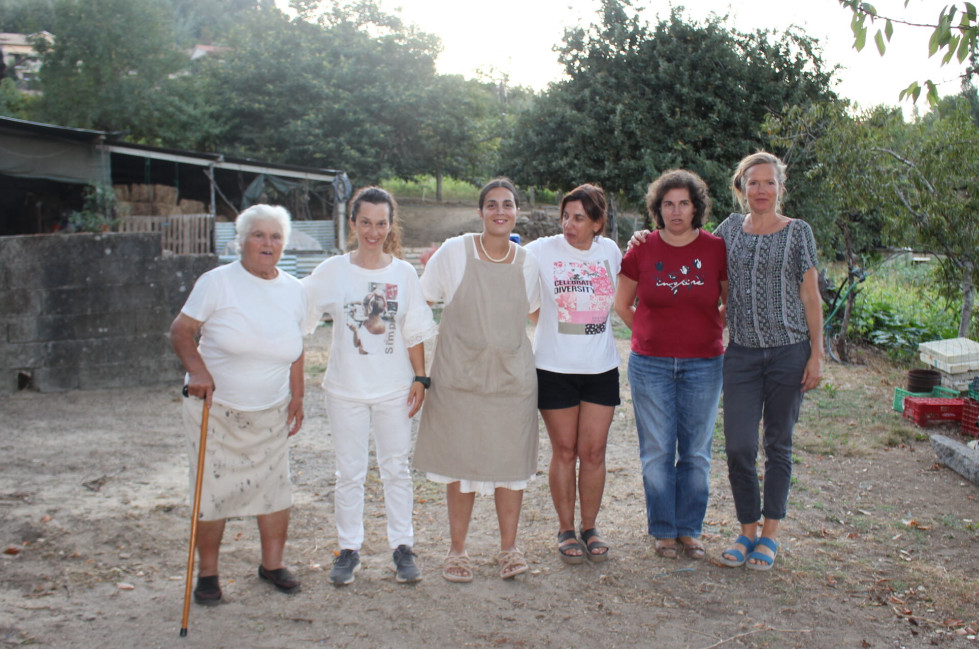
(405, 566)
(344, 567)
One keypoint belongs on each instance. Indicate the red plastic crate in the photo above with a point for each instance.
(970, 417)
(924, 411)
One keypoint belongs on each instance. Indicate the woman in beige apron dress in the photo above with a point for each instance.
(479, 426)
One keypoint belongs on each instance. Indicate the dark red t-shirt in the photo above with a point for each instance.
(679, 289)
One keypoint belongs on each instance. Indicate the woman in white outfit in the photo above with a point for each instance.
(376, 375)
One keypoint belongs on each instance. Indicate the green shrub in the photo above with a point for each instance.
(898, 307)
(98, 211)
(423, 188)
(453, 190)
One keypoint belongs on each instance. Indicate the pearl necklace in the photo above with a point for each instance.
(487, 255)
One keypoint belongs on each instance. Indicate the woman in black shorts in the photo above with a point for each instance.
(577, 364)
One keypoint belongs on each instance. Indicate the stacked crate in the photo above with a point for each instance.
(970, 410)
(925, 411)
(900, 394)
(956, 358)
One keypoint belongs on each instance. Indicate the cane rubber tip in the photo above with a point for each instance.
(183, 633)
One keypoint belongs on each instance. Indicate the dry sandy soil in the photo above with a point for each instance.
(879, 549)
(425, 223)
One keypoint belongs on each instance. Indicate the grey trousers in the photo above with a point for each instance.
(761, 385)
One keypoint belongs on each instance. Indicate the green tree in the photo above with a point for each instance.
(205, 21)
(14, 103)
(937, 190)
(955, 34)
(640, 100)
(26, 16)
(346, 91)
(109, 67)
(454, 111)
(846, 190)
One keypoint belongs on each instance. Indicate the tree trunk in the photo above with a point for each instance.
(841, 348)
(968, 299)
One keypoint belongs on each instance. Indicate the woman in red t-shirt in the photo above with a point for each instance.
(680, 278)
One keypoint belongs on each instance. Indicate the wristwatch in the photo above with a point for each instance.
(425, 381)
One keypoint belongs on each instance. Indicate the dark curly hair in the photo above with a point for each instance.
(677, 179)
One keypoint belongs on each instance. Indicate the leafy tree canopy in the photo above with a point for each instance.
(640, 100)
(108, 67)
(876, 179)
(26, 16)
(336, 92)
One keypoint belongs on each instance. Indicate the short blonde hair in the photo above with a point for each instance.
(262, 212)
(753, 160)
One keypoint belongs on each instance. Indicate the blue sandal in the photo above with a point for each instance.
(739, 557)
(766, 561)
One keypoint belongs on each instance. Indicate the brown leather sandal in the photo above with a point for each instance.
(666, 548)
(692, 548)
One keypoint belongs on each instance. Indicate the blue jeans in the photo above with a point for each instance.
(675, 401)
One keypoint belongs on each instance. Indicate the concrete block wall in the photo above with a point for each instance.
(90, 311)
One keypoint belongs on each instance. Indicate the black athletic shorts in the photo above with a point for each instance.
(556, 390)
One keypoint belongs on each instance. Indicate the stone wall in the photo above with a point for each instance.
(90, 311)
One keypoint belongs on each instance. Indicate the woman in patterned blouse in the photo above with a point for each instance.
(775, 352)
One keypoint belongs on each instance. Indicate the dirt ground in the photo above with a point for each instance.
(425, 223)
(879, 549)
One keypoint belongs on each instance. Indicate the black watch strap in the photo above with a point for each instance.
(425, 381)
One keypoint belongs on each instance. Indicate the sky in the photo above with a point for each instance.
(516, 37)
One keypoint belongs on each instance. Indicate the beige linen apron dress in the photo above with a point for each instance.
(480, 416)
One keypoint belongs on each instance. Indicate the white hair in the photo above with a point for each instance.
(263, 212)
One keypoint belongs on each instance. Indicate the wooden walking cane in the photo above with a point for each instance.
(193, 519)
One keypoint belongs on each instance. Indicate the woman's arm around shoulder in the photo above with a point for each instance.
(322, 288)
(531, 271)
(625, 299)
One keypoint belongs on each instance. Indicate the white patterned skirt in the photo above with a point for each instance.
(246, 460)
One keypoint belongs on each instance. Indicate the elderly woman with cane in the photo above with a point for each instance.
(247, 367)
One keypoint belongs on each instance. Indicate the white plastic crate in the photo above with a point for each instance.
(952, 356)
(960, 381)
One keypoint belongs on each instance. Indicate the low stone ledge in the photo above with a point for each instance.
(957, 456)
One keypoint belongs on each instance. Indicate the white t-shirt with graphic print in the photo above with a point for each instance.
(377, 315)
(574, 331)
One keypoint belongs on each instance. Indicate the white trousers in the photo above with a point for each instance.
(350, 423)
